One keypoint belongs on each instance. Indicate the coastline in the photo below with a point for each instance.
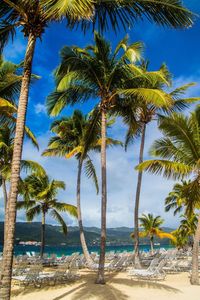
(68, 250)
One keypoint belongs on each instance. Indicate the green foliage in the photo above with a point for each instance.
(182, 198)
(185, 232)
(34, 16)
(6, 153)
(151, 226)
(39, 194)
(78, 136)
(179, 148)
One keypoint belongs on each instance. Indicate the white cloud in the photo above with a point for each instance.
(122, 179)
(40, 108)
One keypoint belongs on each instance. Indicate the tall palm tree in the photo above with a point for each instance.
(151, 226)
(33, 17)
(140, 111)
(40, 198)
(104, 79)
(180, 153)
(96, 72)
(75, 137)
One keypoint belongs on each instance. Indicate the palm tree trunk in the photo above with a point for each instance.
(80, 223)
(152, 244)
(5, 196)
(42, 235)
(137, 201)
(195, 256)
(15, 172)
(100, 277)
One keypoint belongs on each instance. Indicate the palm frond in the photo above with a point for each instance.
(91, 172)
(30, 165)
(59, 219)
(168, 169)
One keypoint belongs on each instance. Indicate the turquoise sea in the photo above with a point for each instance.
(66, 250)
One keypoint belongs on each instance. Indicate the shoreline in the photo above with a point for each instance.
(69, 250)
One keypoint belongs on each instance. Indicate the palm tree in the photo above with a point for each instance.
(140, 111)
(96, 72)
(6, 153)
(151, 227)
(40, 198)
(10, 80)
(33, 17)
(72, 139)
(179, 201)
(104, 78)
(10, 83)
(184, 234)
(180, 153)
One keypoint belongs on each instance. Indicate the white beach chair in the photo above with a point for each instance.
(154, 272)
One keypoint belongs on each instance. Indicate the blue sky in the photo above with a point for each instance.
(179, 49)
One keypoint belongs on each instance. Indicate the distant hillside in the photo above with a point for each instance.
(54, 235)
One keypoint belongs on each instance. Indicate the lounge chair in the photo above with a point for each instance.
(154, 272)
(32, 277)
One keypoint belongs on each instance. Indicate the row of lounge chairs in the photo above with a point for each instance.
(35, 275)
(29, 269)
(172, 261)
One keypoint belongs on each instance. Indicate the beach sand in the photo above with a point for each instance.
(118, 287)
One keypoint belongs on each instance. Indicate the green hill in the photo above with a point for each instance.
(54, 236)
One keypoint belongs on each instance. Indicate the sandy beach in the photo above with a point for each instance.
(118, 287)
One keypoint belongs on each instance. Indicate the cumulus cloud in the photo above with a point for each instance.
(40, 108)
(122, 180)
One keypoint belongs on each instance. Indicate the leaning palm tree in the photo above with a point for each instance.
(75, 137)
(151, 227)
(33, 17)
(142, 110)
(40, 198)
(180, 153)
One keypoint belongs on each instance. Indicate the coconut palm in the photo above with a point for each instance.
(10, 80)
(184, 234)
(6, 153)
(178, 200)
(105, 73)
(180, 153)
(40, 194)
(72, 140)
(104, 79)
(151, 227)
(33, 17)
(140, 111)
(10, 83)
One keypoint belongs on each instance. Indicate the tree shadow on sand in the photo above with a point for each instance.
(90, 290)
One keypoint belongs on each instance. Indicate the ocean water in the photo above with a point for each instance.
(67, 250)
